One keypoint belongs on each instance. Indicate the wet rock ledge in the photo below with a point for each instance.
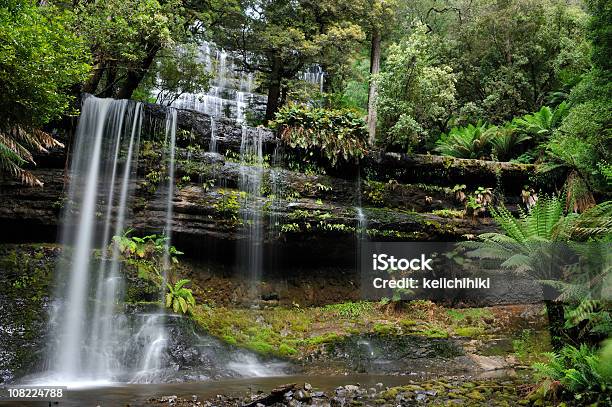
(406, 197)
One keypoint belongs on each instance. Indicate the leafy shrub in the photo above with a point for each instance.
(322, 134)
(40, 60)
(374, 192)
(228, 205)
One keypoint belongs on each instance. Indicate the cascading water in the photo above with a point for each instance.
(91, 340)
(362, 224)
(314, 75)
(231, 90)
(251, 175)
(94, 337)
(275, 189)
(87, 330)
(362, 220)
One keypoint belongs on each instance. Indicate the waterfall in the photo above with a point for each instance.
(314, 75)
(275, 190)
(251, 175)
(91, 337)
(86, 331)
(231, 89)
(362, 224)
(361, 231)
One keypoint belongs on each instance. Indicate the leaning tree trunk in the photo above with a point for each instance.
(274, 89)
(135, 76)
(373, 88)
(556, 322)
(91, 85)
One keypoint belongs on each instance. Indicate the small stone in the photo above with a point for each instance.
(302, 395)
(337, 402)
(307, 386)
(194, 398)
(260, 405)
(351, 387)
(379, 385)
(421, 397)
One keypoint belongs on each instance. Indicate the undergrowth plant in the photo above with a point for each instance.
(150, 247)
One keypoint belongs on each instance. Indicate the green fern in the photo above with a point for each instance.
(180, 298)
(579, 371)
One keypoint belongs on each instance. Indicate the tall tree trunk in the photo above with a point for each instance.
(135, 76)
(373, 88)
(274, 89)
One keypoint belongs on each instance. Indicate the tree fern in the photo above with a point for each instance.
(506, 140)
(472, 141)
(16, 146)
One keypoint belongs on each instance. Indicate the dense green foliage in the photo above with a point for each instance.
(40, 60)
(416, 92)
(545, 243)
(280, 38)
(333, 135)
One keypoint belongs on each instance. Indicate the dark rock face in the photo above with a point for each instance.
(229, 135)
(26, 277)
